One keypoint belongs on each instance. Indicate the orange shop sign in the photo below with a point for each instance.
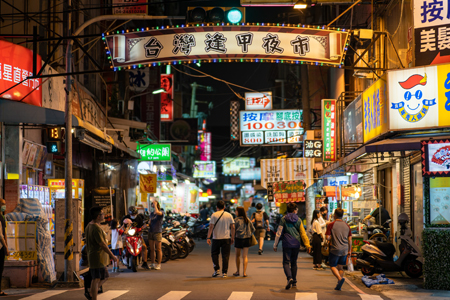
(16, 64)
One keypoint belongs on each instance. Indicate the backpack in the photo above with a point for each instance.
(259, 218)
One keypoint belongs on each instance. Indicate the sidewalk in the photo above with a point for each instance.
(404, 287)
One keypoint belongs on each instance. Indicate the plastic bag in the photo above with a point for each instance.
(350, 267)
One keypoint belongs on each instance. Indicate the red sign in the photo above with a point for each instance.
(129, 7)
(167, 98)
(16, 64)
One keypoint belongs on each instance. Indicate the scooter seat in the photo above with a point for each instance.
(387, 248)
(373, 227)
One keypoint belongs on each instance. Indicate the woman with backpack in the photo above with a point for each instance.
(261, 220)
(243, 238)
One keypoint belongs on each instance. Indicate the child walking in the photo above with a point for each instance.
(116, 243)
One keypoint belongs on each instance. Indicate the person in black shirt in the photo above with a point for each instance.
(380, 210)
(204, 213)
(139, 220)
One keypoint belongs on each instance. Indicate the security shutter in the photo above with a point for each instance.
(406, 180)
(367, 189)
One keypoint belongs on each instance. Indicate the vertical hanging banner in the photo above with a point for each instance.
(272, 170)
(329, 129)
(234, 120)
(167, 98)
(431, 32)
(301, 169)
(147, 183)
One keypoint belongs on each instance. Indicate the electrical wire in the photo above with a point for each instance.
(400, 20)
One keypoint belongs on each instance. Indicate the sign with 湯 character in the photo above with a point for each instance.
(147, 183)
(272, 170)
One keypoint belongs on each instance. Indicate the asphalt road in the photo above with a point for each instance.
(190, 279)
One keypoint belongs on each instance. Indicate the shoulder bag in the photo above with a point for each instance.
(215, 226)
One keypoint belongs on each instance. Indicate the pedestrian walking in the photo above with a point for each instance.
(252, 208)
(204, 213)
(243, 239)
(317, 239)
(261, 220)
(290, 231)
(116, 243)
(155, 234)
(220, 236)
(340, 235)
(98, 251)
(3, 245)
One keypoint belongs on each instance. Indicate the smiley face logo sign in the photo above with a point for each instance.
(414, 107)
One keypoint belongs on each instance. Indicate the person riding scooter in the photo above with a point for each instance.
(139, 220)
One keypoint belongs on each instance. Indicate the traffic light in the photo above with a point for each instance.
(199, 15)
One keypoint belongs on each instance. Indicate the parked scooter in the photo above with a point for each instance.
(378, 257)
(377, 232)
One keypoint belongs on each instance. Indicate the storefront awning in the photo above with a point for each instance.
(13, 112)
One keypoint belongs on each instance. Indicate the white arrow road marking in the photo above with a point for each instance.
(305, 296)
(109, 295)
(240, 296)
(174, 295)
(44, 295)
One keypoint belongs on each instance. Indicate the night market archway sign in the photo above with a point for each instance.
(144, 47)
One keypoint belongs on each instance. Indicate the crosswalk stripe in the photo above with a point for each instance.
(44, 295)
(174, 295)
(370, 297)
(109, 295)
(240, 296)
(305, 296)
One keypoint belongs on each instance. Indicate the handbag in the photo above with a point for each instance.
(325, 249)
(254, 242)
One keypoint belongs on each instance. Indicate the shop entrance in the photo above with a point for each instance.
(385, 189)
(417, 207)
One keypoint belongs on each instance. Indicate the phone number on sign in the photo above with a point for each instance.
(272, 125)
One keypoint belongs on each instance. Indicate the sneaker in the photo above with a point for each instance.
(152, 266)
(289, 284)
(216, 273)
(224, 275)
(158, 267)
(294, 284)
(145, 266)
(324, 266)
(339, 285)
(260, 252)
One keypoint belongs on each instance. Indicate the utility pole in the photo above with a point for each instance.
(68, 239)
(68, 236)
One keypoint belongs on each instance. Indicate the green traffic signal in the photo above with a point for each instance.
(234, 15)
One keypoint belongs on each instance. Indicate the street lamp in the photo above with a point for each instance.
(300, 5)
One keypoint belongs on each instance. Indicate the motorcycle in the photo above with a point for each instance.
(376, 232)
(378, 257)
(133, 243)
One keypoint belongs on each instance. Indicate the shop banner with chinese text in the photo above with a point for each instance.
(147, 183)
(375, 110)
(272, 170)
(431, 32)
(217, 43)
(289, 191)
(329, 129)
(301, 169)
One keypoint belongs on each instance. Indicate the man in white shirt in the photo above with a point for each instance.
(221, 236)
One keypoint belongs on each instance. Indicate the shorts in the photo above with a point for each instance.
(260, 233)
(116, 252)
(155, 236)
(242, 243)
(100, 273)
(335, 260)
